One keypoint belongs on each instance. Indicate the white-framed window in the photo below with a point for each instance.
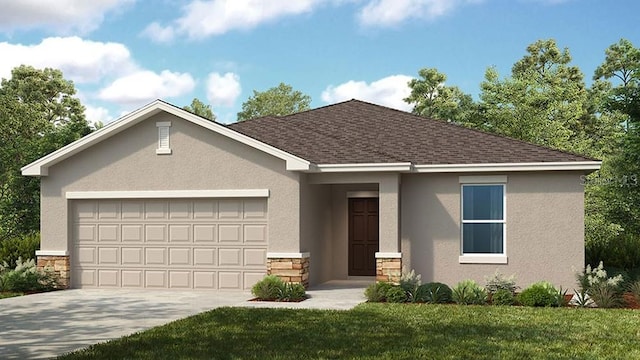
(164, 146)
(483, 220)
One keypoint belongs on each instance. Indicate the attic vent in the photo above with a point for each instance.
(163, 137)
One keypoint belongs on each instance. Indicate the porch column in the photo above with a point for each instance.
(388, 257)
(290, 267)
(56, 262)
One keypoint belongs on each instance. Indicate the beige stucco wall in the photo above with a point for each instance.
(315, 229)
(545, 228)
(201, 160)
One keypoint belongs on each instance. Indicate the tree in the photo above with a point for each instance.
(277, 101)
(201, 109)
(433, 99)
(38, 114)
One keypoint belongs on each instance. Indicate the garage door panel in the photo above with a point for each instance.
(108, 278)
(155, 233)
(229, 233)
(132, 278)
(108, 233)
(132, 256)
(132, 233)
(179, 256)
(108, 256)
(179, 233)
(155, 256)
(169, 243)
(204, 233)
(155, 278)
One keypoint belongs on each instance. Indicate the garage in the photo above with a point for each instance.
(200, 243)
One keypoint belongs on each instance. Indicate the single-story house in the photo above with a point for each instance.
(163, 198)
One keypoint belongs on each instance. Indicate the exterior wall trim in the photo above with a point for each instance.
(373, 167)
(363, 194)
(483, 259)
(285, 255)
(41, 166)
(483, 179)
(388, 255)
(52, 253)
(538, 166)
(232, 193)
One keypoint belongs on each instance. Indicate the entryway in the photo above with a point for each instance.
(363, 236)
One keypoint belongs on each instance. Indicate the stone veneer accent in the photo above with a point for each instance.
(294, 270)
(388, 269)
(60, 267)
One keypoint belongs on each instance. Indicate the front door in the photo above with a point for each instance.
(363, 236)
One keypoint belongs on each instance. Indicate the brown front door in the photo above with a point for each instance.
(363, 236)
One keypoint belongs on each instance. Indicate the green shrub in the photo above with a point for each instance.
(395, 294)
(292, 292)
(498, 281)
(23, 247)
(25, 277)
(410, 283)
(434, 293)
(468, 292)
(377, 292)
(634, 289)
(591, 277)
(605, 295)
(502, 297)
(269, 288)
(539, 294)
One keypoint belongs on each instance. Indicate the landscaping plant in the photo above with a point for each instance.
(502, 297)
(499, 282)
(272, 288)
(395, 294)
(603, 290)
(539, 294)
(377, 292)
(25, 277)
(410, 283)
(434, 293)
(468, 292)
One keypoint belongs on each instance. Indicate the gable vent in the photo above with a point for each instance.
(164, 147)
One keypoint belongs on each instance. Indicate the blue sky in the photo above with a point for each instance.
(122, 54)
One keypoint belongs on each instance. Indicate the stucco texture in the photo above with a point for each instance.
(544, 228)
(200, 160)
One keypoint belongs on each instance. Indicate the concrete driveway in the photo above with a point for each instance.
(46, 325)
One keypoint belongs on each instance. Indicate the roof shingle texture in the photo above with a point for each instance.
(355, 132)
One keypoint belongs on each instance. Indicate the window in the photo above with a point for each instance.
(483, 217)
(163, 137)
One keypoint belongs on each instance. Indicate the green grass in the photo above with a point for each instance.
(386, 331)
(8, 294)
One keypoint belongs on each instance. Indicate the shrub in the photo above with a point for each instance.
(468, 292)
(590, 277)
(605, 295)
(499, 282)
(269, 288)
(539, 294)
(272, 288)
(410, 282)
(634, 289)
(21, 247)
(395, 294)
(25, 277)
(434, 293)
(377, 292)
(503, 297)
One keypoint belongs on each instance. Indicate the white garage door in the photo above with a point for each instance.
(172, 243)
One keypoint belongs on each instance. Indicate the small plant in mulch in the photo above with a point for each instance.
(26, 278)
(272, 288)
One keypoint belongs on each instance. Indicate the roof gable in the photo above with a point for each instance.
(40, 166)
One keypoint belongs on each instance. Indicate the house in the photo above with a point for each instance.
(162, 198)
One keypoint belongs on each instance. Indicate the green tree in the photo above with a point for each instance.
(201, 109)
(38, 114)
(277, 101)
(433, 99)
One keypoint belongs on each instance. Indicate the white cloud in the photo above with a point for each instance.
(145, 86)
(214, 17)
(223, 90)
(80, 60)
(389, 91)
(393, 12)
(96, 114)
(61, 15)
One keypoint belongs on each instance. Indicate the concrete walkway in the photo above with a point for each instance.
(46, 325)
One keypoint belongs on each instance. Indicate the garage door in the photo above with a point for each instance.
(169, 244)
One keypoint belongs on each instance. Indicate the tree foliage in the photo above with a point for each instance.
(201, 109)
(277, 101)
(38, 114)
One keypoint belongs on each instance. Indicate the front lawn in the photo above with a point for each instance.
(387, 331)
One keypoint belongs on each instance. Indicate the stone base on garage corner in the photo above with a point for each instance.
(59, 265)
(388, 268)
(294, 269)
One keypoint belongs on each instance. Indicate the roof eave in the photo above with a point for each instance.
(587, 166)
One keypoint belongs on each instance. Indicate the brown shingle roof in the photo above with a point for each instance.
(354, 132)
